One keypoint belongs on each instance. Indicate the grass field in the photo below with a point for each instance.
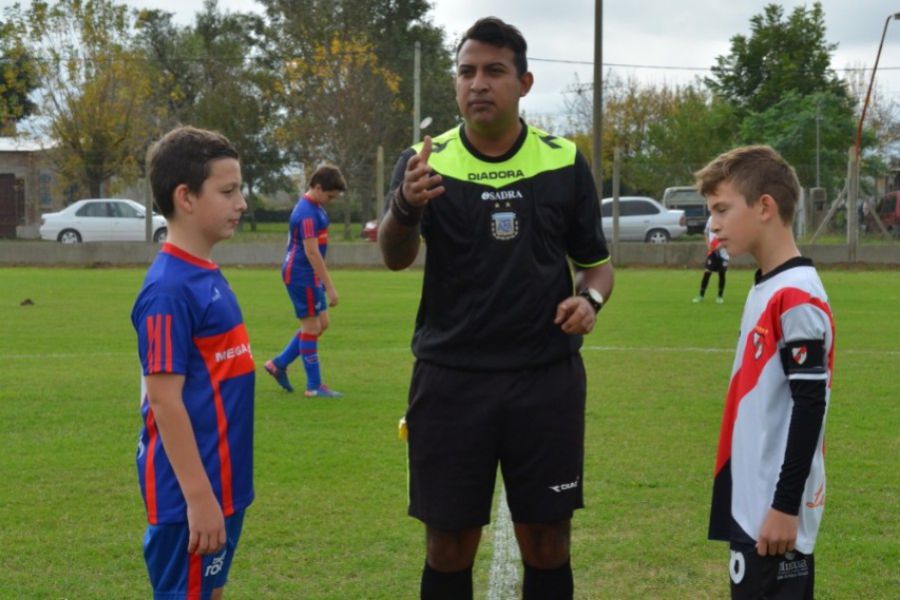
(329, 520)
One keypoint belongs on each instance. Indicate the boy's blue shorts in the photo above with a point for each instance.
(308, 301)
(176, 574)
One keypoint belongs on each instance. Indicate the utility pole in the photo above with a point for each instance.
(818, 119)
(379, 182)
(417, 93)
(596, 148)
(617, 170)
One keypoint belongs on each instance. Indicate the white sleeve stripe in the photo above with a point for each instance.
(809, 376)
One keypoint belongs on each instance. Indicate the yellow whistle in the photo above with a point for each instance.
(401, 429)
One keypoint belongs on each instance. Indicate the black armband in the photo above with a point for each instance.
(405, 213)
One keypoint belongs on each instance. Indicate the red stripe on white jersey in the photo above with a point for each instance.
(760, 345)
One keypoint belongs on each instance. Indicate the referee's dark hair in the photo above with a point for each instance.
(493, 31)
(184, 156)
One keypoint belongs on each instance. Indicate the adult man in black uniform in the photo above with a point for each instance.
(498, 377)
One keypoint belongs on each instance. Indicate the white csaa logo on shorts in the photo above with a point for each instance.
(216, 565)
(562, 487)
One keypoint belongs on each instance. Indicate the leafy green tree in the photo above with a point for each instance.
(346, 82)
(789, 126)
(210, 76)
(695, 128)
(780, 55)
(93, 89)
(18, 77)
(664, 133)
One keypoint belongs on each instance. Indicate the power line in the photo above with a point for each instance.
(673, 67)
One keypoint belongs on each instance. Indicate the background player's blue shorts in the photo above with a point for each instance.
(308, 301)
(176, 574)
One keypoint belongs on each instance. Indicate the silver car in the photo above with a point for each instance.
(643, 219)
(101, 220)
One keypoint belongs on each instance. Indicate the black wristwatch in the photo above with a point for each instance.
(594, 297)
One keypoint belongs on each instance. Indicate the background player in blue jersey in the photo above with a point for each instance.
(769, 487)
(308, 282)
(195, 454)
(504, 209)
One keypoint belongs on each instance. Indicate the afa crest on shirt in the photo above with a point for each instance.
(504, 225)
(799, 354)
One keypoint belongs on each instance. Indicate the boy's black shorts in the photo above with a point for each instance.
(789, 576)
(461, 424)
(715, 262)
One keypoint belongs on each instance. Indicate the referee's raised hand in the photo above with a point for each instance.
(419, 185)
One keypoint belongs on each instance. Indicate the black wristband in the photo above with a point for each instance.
(405, 213)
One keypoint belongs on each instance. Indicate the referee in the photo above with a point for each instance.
(504, 209)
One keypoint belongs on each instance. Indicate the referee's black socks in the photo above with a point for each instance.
(446, 586)
(548, 584)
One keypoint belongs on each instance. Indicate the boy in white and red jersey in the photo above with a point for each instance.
(195, 452)
(716, 262)
(769, 490)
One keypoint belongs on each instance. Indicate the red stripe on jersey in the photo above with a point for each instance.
(226, 356)
(309, 229)
(151, 344)
(150, 468)
(310, 302)
(224, 453)
(323, 237)
(168, 343)
(290, 263)
(195, 577)
(761, 344)
(157, 337)
(189, 258)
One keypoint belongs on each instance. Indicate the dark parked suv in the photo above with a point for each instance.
(688, 199)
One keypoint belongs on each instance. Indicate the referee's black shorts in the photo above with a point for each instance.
(461, 424)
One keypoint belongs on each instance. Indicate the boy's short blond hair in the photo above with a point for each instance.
(753, 171)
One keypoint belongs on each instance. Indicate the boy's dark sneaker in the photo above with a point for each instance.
(280, 375)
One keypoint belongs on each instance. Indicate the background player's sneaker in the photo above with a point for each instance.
(280, 375)
(697, 299)
(323, 391)
(720, 300)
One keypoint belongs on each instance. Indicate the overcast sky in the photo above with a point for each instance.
(657, 33)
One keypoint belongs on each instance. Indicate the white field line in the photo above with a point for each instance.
(673, 349)
(504, 577)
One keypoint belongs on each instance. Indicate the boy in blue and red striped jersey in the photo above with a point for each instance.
(195, 453)
(769, 488)
(308, 282)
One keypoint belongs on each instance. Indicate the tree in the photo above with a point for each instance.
(346, 81)
(695, 128)
(210, 76)
(94, 90)
(781, 55)
(789, 126)
(664, 134)
(18, 78)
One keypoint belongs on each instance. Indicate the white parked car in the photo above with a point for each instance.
(101, 220)
(643, 219)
